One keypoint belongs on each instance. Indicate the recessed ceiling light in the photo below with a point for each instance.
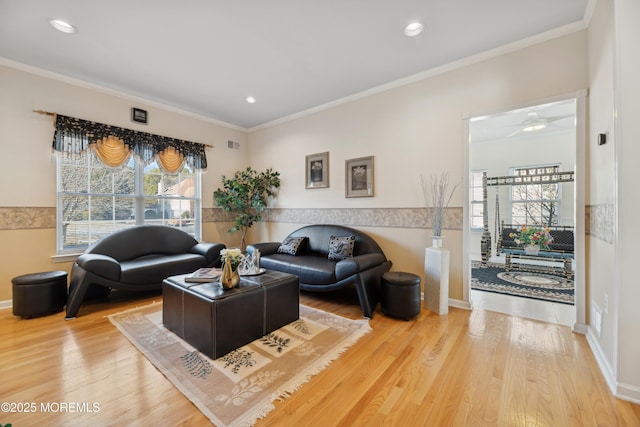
(63, 26)
(413, 29)
(532, 127)
(251, 100)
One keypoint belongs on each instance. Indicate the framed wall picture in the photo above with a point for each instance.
(359, 177)
(138, 115)
(317, 170)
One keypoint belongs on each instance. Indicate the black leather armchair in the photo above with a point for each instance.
(139, 259)
(318, 273)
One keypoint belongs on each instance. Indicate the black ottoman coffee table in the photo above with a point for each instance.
(216, 321)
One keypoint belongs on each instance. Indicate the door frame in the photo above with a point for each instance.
(580, 97)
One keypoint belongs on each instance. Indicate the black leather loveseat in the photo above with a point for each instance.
(137, 258)
(306, 253)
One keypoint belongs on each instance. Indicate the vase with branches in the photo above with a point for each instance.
(437, 197)
(246, 196)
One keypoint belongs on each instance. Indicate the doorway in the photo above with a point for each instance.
(544, 136)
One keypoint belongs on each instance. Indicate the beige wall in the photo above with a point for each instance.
(412, 130)
(612, 253)
(28, 167)
(601, 191)
(627, 106)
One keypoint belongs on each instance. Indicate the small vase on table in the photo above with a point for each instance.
(230, 277)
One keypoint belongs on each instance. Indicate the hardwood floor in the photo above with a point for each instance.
(475, 368)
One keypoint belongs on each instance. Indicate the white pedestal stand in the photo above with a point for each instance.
(436, 275)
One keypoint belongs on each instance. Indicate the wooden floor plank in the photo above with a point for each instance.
(464, 369)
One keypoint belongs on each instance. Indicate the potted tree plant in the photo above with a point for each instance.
(246, 196)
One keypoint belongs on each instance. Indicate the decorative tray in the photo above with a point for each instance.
(262, 270)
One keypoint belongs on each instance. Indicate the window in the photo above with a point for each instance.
(477, 202)
(95, 200)
(535, 203)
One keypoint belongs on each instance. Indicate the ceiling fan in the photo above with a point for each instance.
(536, 122)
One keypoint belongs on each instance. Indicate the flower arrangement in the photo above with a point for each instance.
(234, 256)
(533, 236)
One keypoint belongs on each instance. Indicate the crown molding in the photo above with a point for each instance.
(464, 62)
(108, 91)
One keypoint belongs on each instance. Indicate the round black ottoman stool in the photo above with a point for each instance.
(400, 294)
(38, 294)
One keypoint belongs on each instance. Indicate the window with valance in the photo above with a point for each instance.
(110, 178)
(113, 145)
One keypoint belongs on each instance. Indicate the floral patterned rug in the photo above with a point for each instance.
(240, 387)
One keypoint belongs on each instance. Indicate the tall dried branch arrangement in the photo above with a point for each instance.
(437, 197)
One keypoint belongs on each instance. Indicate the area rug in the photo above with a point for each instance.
(541, 286)
(240, 387)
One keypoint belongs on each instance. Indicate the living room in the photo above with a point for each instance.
(412, 127)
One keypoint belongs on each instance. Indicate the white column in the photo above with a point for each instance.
(436, 276)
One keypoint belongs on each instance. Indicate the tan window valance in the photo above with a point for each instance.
(111, 151)
(170, 160)
(113, 145)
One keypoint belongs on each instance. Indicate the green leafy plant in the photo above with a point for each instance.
(246, 195)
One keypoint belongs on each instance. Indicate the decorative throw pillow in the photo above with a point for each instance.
(341, 247)
(291, 245)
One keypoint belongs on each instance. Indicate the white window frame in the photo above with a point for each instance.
(558, 200)
(473, 201)
(193, 227)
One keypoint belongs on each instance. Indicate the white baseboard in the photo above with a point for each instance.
(628, 392)
(621, 391)
(458, 303)
(6, 304)
(580, 328)
(603, 363)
